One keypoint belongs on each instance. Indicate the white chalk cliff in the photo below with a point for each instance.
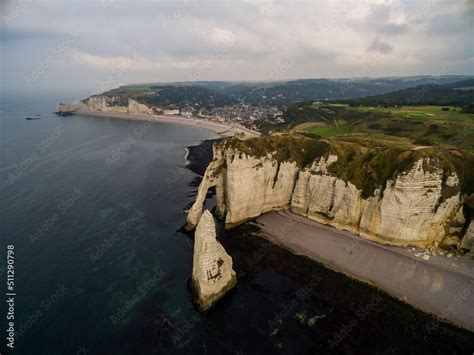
(213, 275)
(408, 211)
(419, 205)
(110, 104)
(468, 240)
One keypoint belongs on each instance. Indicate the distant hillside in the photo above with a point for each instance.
(170, 96)
(272, 93)
(454, 94)
(284, 93)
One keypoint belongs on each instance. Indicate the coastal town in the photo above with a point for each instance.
(239, 117)
(244, 114)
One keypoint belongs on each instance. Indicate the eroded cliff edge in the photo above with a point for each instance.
(110, 104)
(382, 188)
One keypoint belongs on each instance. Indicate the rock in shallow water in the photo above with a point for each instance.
(213, 275)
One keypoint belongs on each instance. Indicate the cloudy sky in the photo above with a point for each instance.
(100, 44)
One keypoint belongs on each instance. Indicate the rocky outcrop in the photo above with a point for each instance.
(408, 211)
(241, 193)
(213, 275)
(211, 178)
(136, 107)
(110, 104)
(417, 204)
(468, 240)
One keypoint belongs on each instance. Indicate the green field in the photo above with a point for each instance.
(422, 113)
(424, 125)
(330, 131)
(128, 90)
(136, 90)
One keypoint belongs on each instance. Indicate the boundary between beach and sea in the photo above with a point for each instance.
(222, 129)
(441, 286)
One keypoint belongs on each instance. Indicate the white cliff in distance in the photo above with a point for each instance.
(109, 104)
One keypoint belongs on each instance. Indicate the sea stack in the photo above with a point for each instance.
(213, 275)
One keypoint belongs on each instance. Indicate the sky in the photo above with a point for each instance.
(97, 45)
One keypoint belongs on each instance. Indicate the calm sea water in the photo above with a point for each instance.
(92, 206)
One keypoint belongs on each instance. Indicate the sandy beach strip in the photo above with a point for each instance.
(441, 286)
(221, 129)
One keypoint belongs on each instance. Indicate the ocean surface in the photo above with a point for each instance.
(92, 207)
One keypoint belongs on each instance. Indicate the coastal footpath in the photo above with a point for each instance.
(112, 107)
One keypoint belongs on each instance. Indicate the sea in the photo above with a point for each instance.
(91, 211)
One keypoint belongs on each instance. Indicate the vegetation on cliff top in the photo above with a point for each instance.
(284, 147)
(429, 125)
(367, 161)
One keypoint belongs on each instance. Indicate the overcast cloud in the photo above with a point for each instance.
(104, 43)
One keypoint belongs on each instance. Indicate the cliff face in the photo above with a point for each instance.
(407, 211)
(402, 196)
(213, 275)
(113, 104)
(468, 240)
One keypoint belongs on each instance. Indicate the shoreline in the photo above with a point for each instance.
(199, 156)
(221, 129)
(441, 286)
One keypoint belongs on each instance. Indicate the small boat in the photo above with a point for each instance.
(33, 118)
